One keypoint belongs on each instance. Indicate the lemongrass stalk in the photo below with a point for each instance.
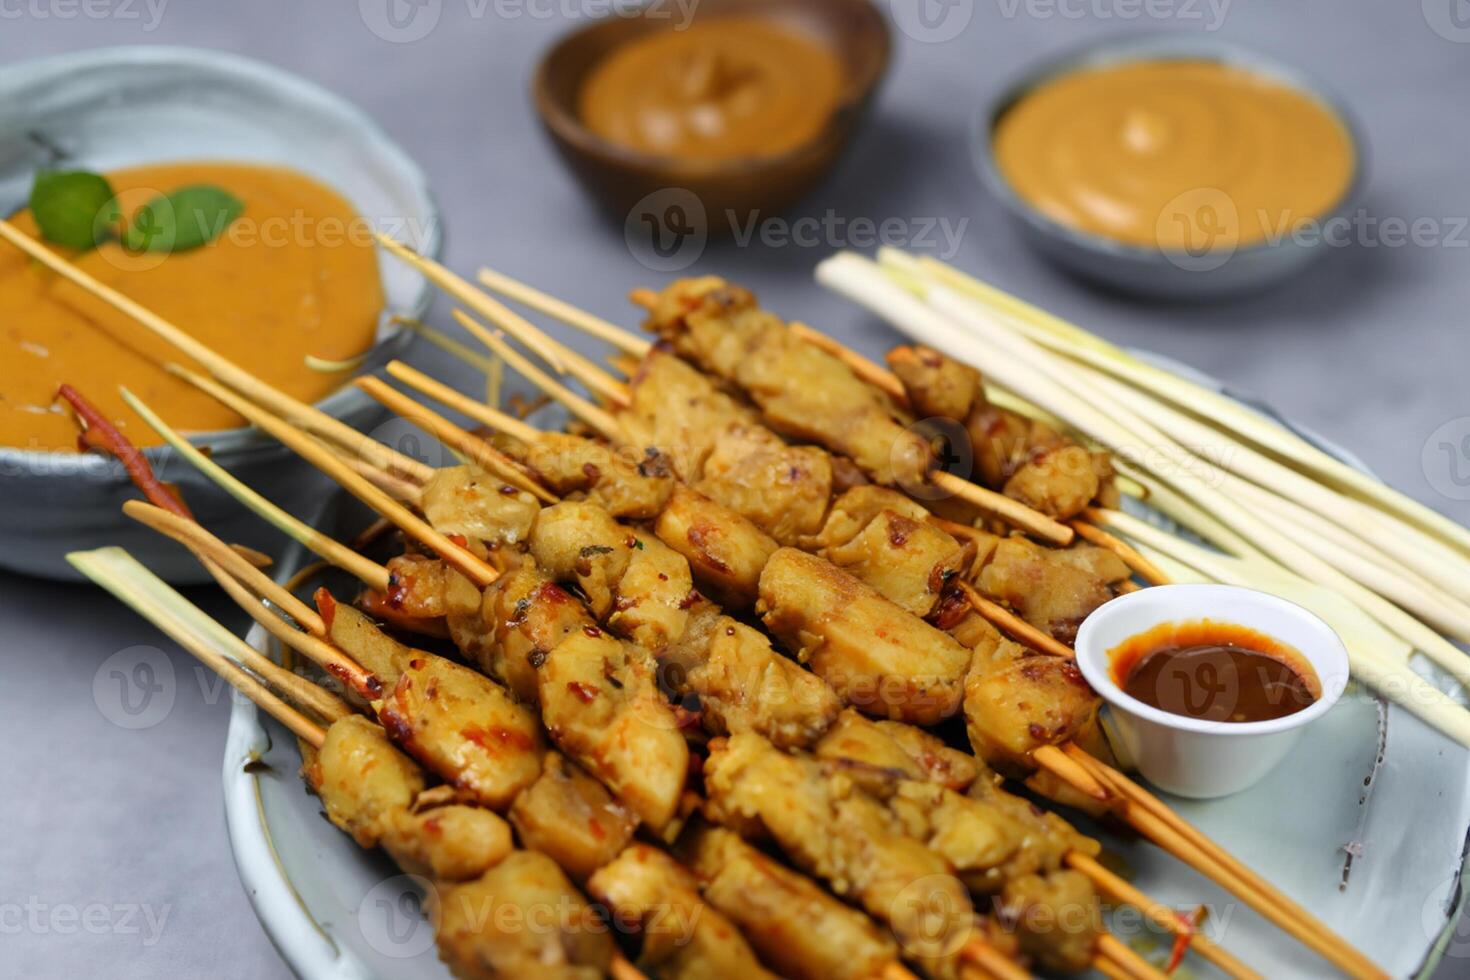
(1044, 378)
(1206, 443)
(1182, 511)
(373, 575)
(1073, 342)
(145, 593)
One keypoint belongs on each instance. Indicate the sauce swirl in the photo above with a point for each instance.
(1214, 671)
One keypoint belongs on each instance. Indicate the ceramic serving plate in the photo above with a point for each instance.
(119, 107)
(1364, 824)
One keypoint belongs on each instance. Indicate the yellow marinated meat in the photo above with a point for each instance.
(894, 748)
(601, 703)
(784, 490)
(803, 392)
(579, 541)
(522, 918)
(482, 509)
(794, 924)
(938, 387)
(572, 818)
(909, 562)
(678, 409)
(465, 728)
(832, 829)
(630, 484)
(878, 657)
(370, 789)
(854, 509)
(527, 615)
(682, 938)
(1056, 918)
(725, 551)
(1053, 589)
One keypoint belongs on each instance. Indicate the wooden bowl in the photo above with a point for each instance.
(729, 190)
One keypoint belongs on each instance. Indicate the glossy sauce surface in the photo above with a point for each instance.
(720, 89)
(1214, 672)
(294, 275)
(1195, 155)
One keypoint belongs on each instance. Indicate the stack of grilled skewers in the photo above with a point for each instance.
(602, 586)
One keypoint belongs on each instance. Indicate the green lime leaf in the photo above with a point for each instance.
(182, 220)
(74, 208)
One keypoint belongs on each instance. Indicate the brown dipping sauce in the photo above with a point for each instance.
(1214, 672)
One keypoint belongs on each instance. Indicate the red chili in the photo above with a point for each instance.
(102, 435)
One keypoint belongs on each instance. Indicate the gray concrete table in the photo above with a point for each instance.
(113, 857)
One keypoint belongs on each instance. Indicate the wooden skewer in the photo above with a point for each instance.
(489, 458)
(621, 969)
(462, 559)
(308, 417)
(390, 483)
(1111, 950)
(370, 573)
(995, 963)
(193, 534)
(1122, 892)
(1151, 573)
(246, 584)
(580, 407)
(1014, 626)
(119, 573)
(595, 326)
(464, 404)
(1110, 969)
(1151, 816)
(896, 971)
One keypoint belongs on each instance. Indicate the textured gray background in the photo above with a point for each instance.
(1369, 348)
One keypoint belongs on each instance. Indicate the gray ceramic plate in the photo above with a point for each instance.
(118, 107)
(1364, 824)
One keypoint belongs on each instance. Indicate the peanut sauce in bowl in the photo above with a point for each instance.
(1209, 686)
(1214, 671)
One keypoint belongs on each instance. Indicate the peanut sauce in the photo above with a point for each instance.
(1214, 671)
(721, 89)
(1175, 154)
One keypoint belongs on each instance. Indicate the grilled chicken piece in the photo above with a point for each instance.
(803, 392)
(371, 790)
(1053, 589)
(522, 918)
(1026, 459)
(725, 551)
(514, 625)
(881, 659)
(483, 510)
(456, 722)
(895, 749)
(682, 938)
(1056, 917)
(741, 683)
(677, 408)
(832, 829)
(784, 490)
(907, 561)
(630, 485)
(793, 923)
(572, 818)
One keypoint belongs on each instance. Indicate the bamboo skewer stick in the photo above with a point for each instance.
(1111, 950)
(580, 407)
(1014, 626)
(991, 961)
(463, 560)
(149, 596)
(370, 573)
(390, 483)
(463, 404)
(477, 450)
(558, 309)
(1124, 893)
(1130, 556)
(1186, 842)
(308, 417)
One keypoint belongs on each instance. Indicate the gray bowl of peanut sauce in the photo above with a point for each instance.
(128, 110)
(1174, 167)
